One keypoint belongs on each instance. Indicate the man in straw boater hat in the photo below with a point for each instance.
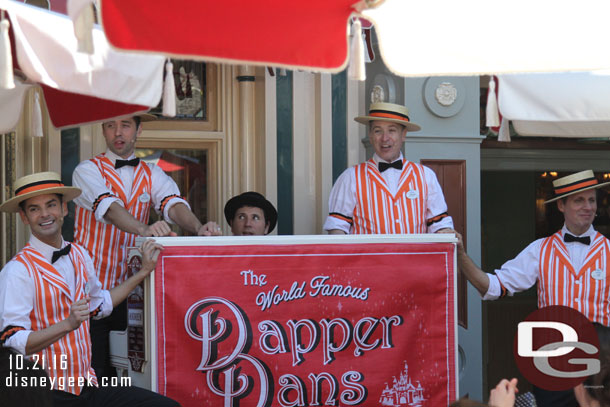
(49, 292)
(250, 214)
(119, 191)
(387, 194)
(571, 281)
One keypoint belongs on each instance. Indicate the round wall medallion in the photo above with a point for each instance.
(377, 94)
(444, 96)
(445, 93)
(383, 89)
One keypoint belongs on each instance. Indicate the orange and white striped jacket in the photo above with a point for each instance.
(587, 290)
(51, 306)
(106, 243)
(377, 211)
(410, 200)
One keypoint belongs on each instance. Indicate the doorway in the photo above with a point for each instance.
(513, 215)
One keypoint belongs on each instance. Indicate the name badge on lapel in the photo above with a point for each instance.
(144, 197)
(598, 275)
(413, 194)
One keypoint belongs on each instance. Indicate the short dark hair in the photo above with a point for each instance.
(22, 203)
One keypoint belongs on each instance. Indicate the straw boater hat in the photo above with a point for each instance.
(253, 199)
(389, 112)
(38, 184)
(575, 183)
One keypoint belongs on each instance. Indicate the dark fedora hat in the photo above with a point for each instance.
(253, 199)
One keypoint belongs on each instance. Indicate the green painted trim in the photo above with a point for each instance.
(339, 123)
(70, 153)
(285, 165)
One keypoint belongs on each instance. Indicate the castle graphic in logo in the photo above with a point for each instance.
(403, 392)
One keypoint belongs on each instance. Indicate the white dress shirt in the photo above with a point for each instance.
(89, 179)
(17, 291)
(522, 272)
(343, 197)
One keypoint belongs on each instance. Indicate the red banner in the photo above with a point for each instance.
(308, 324)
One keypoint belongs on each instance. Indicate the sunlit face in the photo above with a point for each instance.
(387, 139)
(121, 136)
(249, 221)
(579, 210)
(45, 216)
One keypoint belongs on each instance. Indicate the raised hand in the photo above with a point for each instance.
(158, 229)
(79, 313)
(150, 253)
(209, 229)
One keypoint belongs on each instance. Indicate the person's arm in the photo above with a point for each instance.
(17, 297)
(515, 275)
(150, 253)
(38, 340)
(181, 215)
(173, 208)
(341, 204)
(477, 277)
(107, 207)
(122, 219)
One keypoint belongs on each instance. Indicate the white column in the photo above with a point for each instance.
(247, 127)
(355, 131)
(271, 140)
(304, 132)
(324, 151)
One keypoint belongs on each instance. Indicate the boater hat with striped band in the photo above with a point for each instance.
(575, 183)
(38, 184)
(389, 112)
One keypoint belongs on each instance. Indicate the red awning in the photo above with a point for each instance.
(310, 34)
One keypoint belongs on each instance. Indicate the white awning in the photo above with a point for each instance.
(558, 104)
(473, 37)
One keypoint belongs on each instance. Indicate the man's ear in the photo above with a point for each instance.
(560, 205)
(583, 398)
(24, 219)
(64, 205)
(266, 227)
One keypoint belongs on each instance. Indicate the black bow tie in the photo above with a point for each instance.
(58, 253)
(384, 166)
(586, 240)
(121, 163)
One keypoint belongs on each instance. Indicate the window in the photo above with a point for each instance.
(195, 98)
(189, 169)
